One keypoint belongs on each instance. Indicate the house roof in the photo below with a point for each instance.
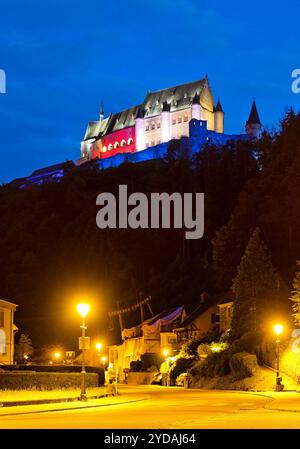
(208, 302)
(51, 168)
(7, 304)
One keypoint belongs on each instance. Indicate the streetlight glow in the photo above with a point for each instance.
(166, 352)
(99, 346)
(278, 328)
(103, 359)
(57, 355)
(83, 309)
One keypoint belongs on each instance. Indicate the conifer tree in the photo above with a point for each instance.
(296, 296)
(254, 284)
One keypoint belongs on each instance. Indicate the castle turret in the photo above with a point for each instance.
(196, 107)
(253, 125)
(139, 130)
(101, 112)
(219, 118)
(165, 123)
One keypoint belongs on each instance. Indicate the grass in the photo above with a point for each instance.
(26, 395)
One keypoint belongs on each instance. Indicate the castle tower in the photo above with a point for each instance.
(253, 125)
(219, 118)
(165, 123)
(196, 107)
(101, 112)
(139, 130)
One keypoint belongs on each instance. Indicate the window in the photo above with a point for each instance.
(186, 118)
(174, 121)
(147, 127)
(123, 143)
(1, 318)
(130, 141)
(179, 119)
(2, 341)
(158, 125)
(110, 147)
(116, 145)
(104, 149)
(153, 126)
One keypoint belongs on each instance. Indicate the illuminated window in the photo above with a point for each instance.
(130, 141)
(116, 145)
(2, 342)
(123, 143)
(110, 147)
(1, 319)
(104, 149)
(153, 126)
(185, 118)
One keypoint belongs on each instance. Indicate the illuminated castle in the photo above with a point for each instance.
(184, 111)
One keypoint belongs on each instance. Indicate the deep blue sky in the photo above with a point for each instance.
(62, 56)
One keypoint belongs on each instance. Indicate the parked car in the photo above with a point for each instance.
(157, 379)
(181, 379)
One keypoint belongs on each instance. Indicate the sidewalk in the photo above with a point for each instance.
(283, 401)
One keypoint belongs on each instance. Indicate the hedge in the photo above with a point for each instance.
(44, 381)
(57, 369)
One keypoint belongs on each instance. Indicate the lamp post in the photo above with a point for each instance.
(83, 309)
(278, 328)
(166, 354)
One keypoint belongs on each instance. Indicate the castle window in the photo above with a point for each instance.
(186, 118)
(179, 119)
(153, 126)
(123, 143)
(110, 147)
(116, 145)
(147, 128)
(104, 149)
(152, 143)
(158, 125)
(130, 141)
(174, 121)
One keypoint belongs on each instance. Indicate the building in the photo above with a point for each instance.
(7, 331)
(212, 315)
(53, 173)
(163, 116)
(149, 337)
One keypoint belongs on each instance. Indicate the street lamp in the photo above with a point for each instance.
(57, 355)
(99, 346)
(103, 360)
(278, 328)
(84, 343)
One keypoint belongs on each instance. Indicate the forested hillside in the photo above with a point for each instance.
(51, 251)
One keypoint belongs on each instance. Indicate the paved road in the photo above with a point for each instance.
(157, 407)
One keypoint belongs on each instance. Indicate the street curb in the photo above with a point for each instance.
(33, 412)
(50, 401)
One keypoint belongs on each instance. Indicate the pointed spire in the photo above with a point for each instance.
(101, 111)
(253, 117)
(218, 108)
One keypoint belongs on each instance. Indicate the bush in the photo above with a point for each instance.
(135, 366)
(44, 381)
(181, 365)
(150, 360)
(216, 364)
(249, 342)
(243, 364)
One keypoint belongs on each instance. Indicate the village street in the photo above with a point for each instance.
(155, 407)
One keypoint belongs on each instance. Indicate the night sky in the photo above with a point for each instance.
(62, 56)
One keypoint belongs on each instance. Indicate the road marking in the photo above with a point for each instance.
(219, 404)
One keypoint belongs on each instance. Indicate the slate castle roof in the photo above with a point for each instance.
(172, 99)
(253, 117)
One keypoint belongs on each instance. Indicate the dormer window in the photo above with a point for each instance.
(153, 126)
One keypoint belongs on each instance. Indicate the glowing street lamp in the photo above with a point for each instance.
(99, 346)
(84, 343)
(278, 329)
(166, 353)
(103, 360)
(57, 355)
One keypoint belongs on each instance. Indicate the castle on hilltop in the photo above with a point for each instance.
(184, 111)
